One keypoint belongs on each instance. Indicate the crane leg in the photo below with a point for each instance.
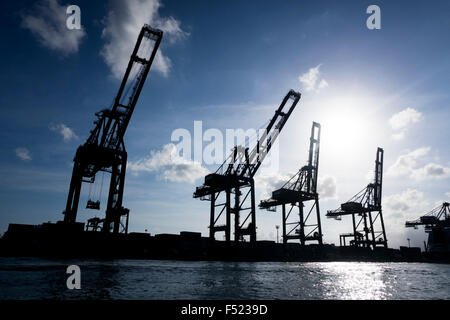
(70, 214)
(114, 210)
(253, 213)
(212, 216)
(228, 216)
(284, 223)
(319, 225)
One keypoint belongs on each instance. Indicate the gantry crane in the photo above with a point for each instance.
(437, 224)
(438, 216)
(105, 150)
(365, 204)
(234, 178)
(300, 189)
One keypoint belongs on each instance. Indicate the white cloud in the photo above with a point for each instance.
(402, 202)
(405, 206)
(65, 131)
(404, 165)
(398, 136)
(447, 194)
(168, 163)
(399, 208)
(311, 80)
(370, 176)
(431, 171)
(323, 84)
(48, 23)
(123, 22)
(407, 165)
(267, 183)
(23, 154)
(402, 120)
(326, 187)
(405, 118)
(171, 28)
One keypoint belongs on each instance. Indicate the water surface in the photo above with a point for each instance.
(33, 278)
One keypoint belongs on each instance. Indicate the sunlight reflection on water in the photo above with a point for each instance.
(346, 280)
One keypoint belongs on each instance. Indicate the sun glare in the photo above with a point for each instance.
(347, 124)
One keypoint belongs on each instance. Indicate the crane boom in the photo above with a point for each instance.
(125, 101)
(270, 134)
(241, 163)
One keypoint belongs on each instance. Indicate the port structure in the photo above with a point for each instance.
(104, 150)
(231, 189)
(439, 215)
(366, 211)
(296, 193)
(437, 224)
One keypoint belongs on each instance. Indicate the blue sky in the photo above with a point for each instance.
(229, 64)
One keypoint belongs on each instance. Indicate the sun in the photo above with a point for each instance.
(347, 124)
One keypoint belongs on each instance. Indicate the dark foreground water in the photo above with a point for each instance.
(31, 278)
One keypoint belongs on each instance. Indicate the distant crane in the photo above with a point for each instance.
(437, 224)
(234, 178)
(361, 207)
(301, 188)
(437, 216)
(104, 150)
